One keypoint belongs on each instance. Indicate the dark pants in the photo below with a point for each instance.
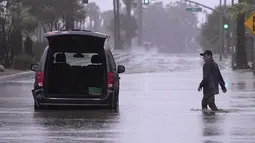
(209, 99)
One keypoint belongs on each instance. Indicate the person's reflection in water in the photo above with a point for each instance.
(211, 126)
(95, 126)
(211, 141)
(241, 86)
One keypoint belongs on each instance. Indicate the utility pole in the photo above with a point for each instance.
(115, 24)
(221, 32)
(118, 23)
(140, 22)
(116, 11)
(225, 39)
(233, 39)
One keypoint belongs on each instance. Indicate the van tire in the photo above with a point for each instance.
(37, 106)
(115, 101)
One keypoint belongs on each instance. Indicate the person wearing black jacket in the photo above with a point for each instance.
(211, 79)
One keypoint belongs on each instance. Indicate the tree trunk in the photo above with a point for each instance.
(15, 41)
(241, 55)
(8, 55)
(91, 23)
(115, 24)
(69, 18)
(119, 40)
(69, 22)
(128, 34)
(96, 25)
(140, 23)
(28, 45)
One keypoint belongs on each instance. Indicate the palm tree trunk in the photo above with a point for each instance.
(90, 23)
(241, 55)
(128, 10)
(95, 27)
(70, 18)
(119, 44)
(115, 24)
(140, 22)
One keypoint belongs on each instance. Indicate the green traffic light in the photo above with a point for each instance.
(146, 1)
(225, 26)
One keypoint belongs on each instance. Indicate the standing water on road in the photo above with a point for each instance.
(159, 98)
(154, 107)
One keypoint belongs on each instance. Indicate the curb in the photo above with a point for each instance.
(14, 76)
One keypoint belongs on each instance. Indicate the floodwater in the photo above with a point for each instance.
(155, 106)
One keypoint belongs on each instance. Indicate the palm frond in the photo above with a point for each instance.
(246, 6)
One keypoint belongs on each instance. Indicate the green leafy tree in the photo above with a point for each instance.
(93, 12)
(129, 34)
(56, 14)
(107, 17)
(15, 22)
(126, 24)
(209, 35)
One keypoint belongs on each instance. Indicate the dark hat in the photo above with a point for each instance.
(206, 52)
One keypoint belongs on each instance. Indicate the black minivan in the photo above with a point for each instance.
(76, 69)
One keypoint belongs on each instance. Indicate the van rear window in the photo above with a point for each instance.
(76, 59)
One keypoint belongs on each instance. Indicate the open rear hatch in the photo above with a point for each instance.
(71, 41)
(76, 65)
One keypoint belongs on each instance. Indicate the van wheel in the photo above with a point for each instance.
(37, 106)
(115, 102)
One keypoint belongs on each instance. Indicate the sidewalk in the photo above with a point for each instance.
(10, 74)
(225, 63)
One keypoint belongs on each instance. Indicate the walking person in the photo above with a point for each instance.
(212, 78)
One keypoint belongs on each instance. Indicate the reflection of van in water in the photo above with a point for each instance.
(76, 70)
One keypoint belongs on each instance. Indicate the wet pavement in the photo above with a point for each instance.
(154, 107)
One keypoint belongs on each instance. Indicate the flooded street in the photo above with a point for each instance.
(155, 107)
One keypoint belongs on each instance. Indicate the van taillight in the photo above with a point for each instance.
(110, 79)
(39, 78)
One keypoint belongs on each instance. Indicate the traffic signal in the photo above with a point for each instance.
(146, 1)
(225, 26)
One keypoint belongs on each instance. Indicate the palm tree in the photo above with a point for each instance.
(128, 5)
(242, 7)
(116, 24)
(22, 25)
(93, 12)
(15, 24)
(238, 12)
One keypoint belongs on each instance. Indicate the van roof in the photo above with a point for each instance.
(76, 32)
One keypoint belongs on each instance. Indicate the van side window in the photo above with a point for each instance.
(112, 61)
(43, 59)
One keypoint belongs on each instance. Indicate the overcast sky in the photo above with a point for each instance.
(107, 4)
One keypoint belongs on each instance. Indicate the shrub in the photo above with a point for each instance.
(22, 62)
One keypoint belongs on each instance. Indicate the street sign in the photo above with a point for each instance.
(194, 9)
(250, 23)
